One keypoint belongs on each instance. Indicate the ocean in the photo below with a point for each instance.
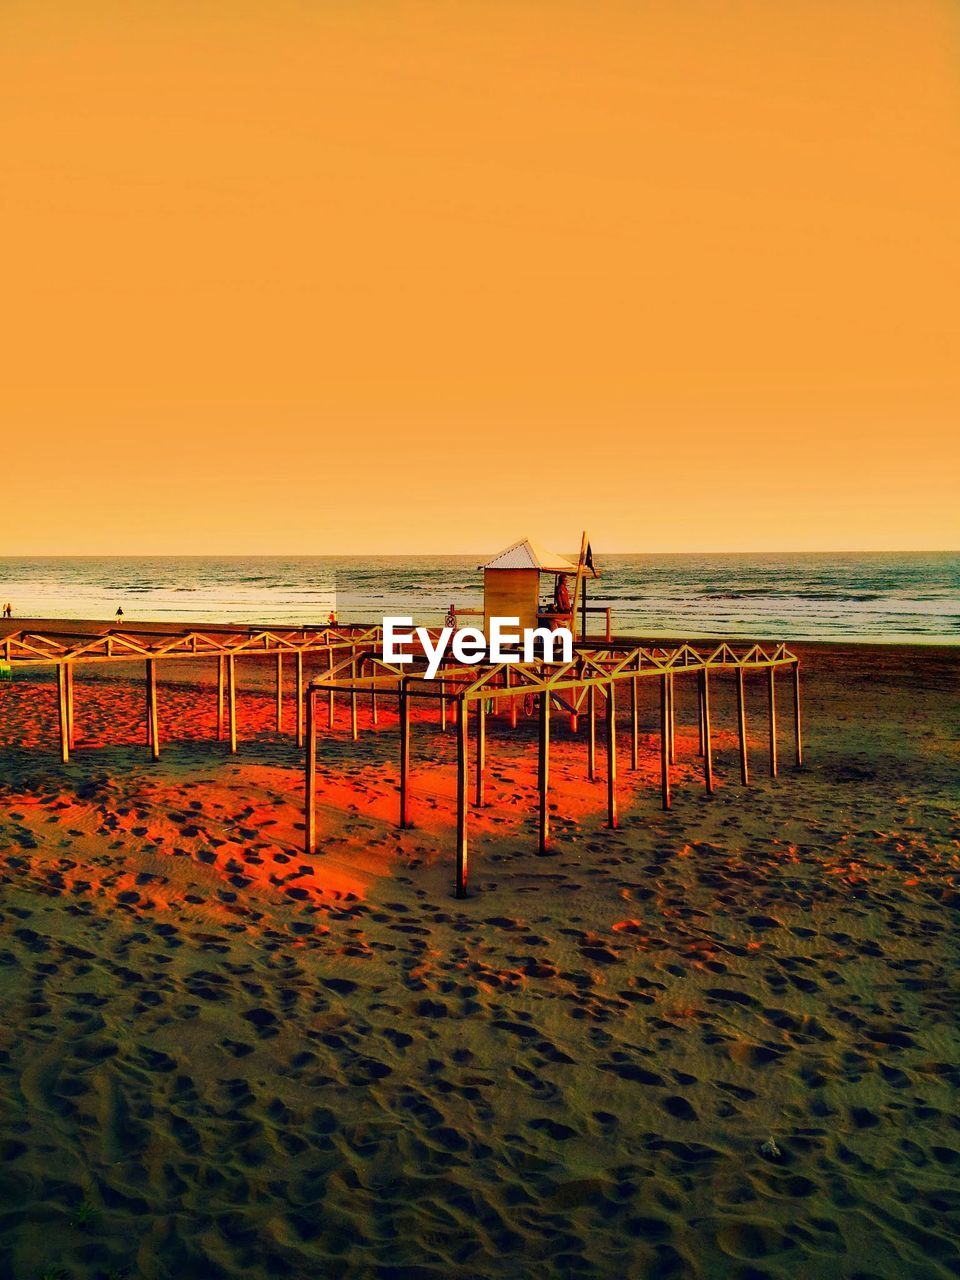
(903, 597)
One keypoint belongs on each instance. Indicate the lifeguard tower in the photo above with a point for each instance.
(512, 587)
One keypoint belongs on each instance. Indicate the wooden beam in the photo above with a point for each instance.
(299, 671)
(578, 581)
(146, 702)
(612, 820)
(462, 763)
(310, 777)
(404, 705)
(701, 730)
(798, 737)
(664, 743)
(543, 771)
(742, 728)
(707, 740)
(152, 697)
(330, 694)
(62, 712)
(443, 706)
(772, 706)
(673, 719)
(481, 761)
(232, 701)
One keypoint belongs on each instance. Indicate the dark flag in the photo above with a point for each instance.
(588, 558)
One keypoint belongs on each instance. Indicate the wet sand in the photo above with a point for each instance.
(221, 1058)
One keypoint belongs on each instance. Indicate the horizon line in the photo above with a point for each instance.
(399, 555)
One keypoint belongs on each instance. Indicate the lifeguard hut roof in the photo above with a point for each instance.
(527, 555)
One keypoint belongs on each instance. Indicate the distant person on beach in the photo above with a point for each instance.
(119, 617)
(8, 610)
(451, 619)
(332, 620)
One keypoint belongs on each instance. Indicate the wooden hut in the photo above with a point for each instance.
(511, 582)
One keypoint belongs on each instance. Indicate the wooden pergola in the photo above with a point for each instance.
(598, 670)
(84, 644)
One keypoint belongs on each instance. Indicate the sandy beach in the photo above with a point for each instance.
(723, 1041)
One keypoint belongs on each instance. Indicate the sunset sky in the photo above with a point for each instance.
(329, 277)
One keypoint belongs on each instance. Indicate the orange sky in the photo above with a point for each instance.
(341, 276)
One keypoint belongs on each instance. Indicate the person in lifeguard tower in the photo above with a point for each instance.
(561, 601)
(451, 619)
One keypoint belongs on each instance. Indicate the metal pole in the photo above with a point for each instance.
(299, 670)
(69, 668)
(664, 744)
(152, 695)
(673, 720)
(62, 711)
(796, 712)
(354, 728)
(462, 761)
(612, 755)
(330, 694)
(707, 742)
(310, 776)
(634, 723)
(481, 750)
(772, 703)
(221, 663)
(279, 693)
(543, 771)
(592, 732)
(232, 701)
(404, 705)
(742, 729)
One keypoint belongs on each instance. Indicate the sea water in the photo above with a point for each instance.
(904, 597)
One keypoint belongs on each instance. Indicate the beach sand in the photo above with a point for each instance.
(221, 1058)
